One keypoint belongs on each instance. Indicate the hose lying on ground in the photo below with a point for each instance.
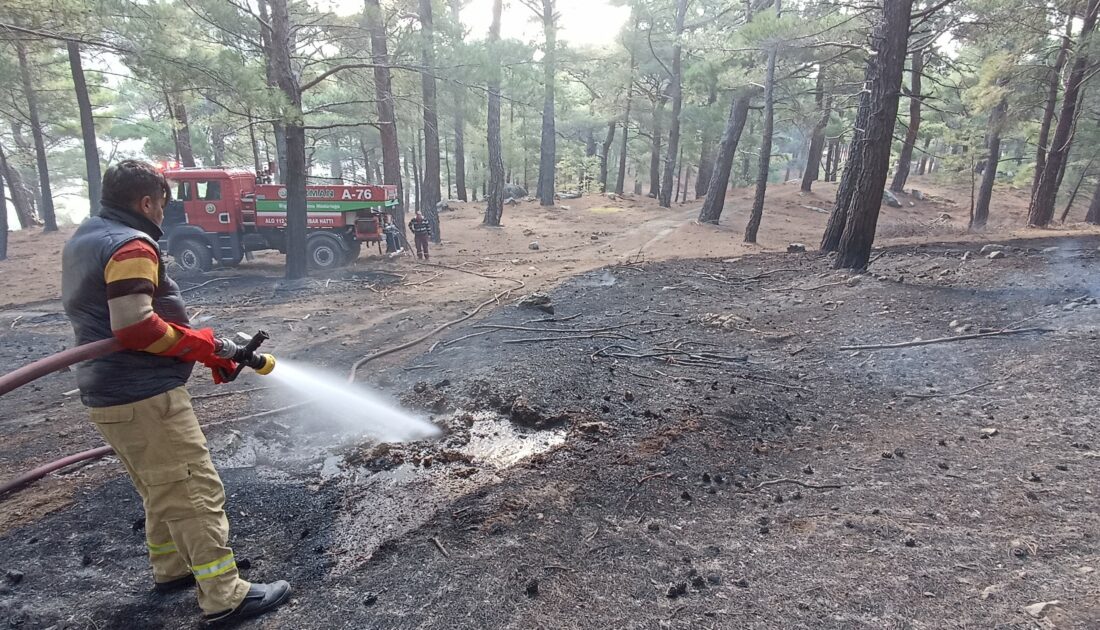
(38, 369)
(55, 362)
(34, 475)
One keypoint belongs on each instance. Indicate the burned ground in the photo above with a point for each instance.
(716, 461)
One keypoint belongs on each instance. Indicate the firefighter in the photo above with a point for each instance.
(420, 227)
(114, 285)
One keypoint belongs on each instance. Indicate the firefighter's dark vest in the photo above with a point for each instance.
(127, 376)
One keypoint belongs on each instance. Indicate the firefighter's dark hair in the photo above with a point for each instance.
(125, 183)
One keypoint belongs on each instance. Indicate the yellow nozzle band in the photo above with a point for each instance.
(269, 364)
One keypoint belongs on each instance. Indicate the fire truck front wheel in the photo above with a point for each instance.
(325, 252)
(192, 256)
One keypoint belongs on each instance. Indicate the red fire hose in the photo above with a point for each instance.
(37, 370)
(56, 362)
(40, 472)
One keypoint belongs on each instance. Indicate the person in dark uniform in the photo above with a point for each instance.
(421, 228)
(393, 235)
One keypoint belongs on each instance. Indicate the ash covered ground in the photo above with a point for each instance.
(682, 444)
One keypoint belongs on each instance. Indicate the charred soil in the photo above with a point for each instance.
(696, 449)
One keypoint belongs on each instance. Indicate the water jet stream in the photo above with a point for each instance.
(350, 406)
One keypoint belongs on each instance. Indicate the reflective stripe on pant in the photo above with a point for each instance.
(160, 443)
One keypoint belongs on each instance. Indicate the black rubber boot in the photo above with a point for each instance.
(260, 599)
(171, 586)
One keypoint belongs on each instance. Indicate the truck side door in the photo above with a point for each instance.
(204, 204)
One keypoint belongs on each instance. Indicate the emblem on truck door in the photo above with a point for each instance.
(211, 208)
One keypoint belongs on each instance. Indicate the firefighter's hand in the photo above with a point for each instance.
(194, 345)
(221, 369)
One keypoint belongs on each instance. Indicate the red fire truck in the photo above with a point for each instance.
(217, 215)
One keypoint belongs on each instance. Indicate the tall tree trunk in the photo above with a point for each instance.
(922, 167)
(510, 157)
(417, 181)
(1069, 143)
(1054, 78)
(256, 163)
(548, 145)
(217, 144)
(679, 175)
(989, 174)
(655, 150)
(837, 149)
(87, 128)
(655, 165)
(335, 160)
(383, 93)
(495, 199)
(295, 173)
(723, 160)
(605, 154)
(460, 150)
(3, 217)
(405, 201)
(368, 165)
(22, 199)
(278, 129)
(447, 165)
(460, 119)
(706, 165)
(765, 163)
(1093, 216)
(905, 160)
(884, 74)
(429, 187)
(46, 204)
(1041, 210)
(834, 229)
(676, 92)
(817, 140)
(1076, 189)
(620, 178)
(182, 127)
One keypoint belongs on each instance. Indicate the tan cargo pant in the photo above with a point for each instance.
(164, 450)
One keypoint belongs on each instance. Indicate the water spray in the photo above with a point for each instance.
(354, 409)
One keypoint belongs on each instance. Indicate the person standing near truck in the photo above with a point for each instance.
(421, 228)
(393, 235)
(114, 285)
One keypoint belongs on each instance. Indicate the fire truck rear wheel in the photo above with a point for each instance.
(325, 252)
(193, 256)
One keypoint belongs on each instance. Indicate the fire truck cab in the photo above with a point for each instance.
(218, 215)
